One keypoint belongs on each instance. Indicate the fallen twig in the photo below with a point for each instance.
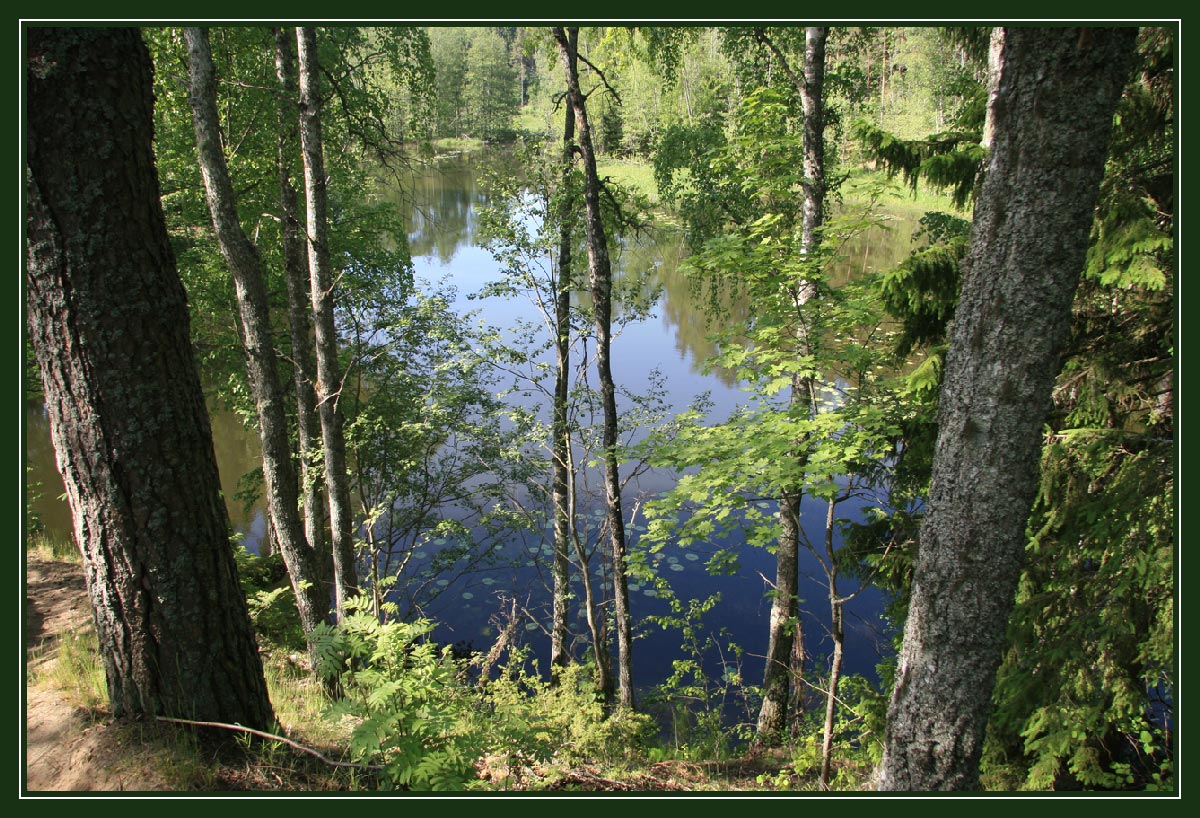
(272, 736)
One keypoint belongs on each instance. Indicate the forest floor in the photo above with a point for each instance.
(72, 743)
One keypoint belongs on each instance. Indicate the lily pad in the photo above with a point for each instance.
(468, 595)
(691, 556)
(676, 566)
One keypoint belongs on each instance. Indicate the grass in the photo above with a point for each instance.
(301, 703)
(453, 144)
(894, 196)
(638, 176)
(71, 664)
(44, 547)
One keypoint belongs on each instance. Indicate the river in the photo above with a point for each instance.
(444, 204)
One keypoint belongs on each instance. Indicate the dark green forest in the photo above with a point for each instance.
(922, 536)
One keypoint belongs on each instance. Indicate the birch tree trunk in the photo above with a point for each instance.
(1051, 120)
(295, 270)
(329, 376)
(601, 285)
(560, 432)
(108, 321)
(246, 266)
(785, 636)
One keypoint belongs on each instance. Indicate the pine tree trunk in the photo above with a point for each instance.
(1052, 116)
(108, 321)
(250, 284)
(559, 431)
(601, 285)
(295, 270)
(329, 379)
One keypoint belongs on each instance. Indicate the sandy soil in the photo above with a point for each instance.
(69, 747)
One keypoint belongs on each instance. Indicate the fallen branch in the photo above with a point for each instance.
(273, 737)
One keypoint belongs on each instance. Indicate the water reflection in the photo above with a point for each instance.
(674, 339)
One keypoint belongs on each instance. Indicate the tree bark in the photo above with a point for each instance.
(601, 286)
(295, 270)
(812, 103)
(784, 627)
(785, 636)
(559, 430)
(244, 263)
(1052, 116)
(109, 325)
(838, 634)
(329, 379)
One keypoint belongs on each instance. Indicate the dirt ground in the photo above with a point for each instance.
(69, 747)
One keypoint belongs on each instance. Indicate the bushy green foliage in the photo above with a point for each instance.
(1088, 679)
(410, 710)
(269, 598)
(418, 714)
(857, 743)
(706, 686)
(564, 721)
(946, 161)
(923, 291)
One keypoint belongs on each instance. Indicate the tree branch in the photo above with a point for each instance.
(273, 737)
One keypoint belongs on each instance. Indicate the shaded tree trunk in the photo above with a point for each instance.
(595, 620)
(1052, 115)
(784, 626)
(329, 378)
(601, 285)
(295, 270)
(244, 263)
(108, 321)
(838, 634)
(559, 430)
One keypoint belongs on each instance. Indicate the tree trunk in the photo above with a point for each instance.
(838, 634)
(601, 285)
(109, 325)
(785, 634)
(1052, 116)
(595, 621)
(329, 379)
(784, 626)
(295, 271)
(812, 102)
(246, 267)
(559, 430)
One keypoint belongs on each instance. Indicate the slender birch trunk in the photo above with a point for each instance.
(329, 376)
(601, 285)
(559, 431)
(295, 269)
(784, 656)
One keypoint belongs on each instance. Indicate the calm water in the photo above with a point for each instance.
(445, 204)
